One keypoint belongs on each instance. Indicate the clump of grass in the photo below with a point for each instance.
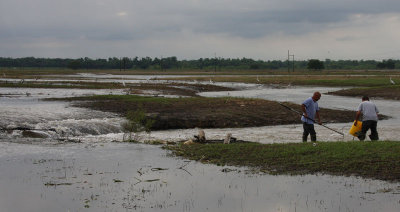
(378, 160)
(137, 122)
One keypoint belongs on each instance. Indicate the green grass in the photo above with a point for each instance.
(378, 160)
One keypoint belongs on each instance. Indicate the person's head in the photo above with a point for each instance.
(316, 96)
(365, 98)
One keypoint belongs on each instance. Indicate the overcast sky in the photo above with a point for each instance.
(193, 29)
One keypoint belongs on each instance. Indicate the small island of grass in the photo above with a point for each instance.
(375, 160)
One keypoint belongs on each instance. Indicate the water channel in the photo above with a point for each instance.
(97, 174)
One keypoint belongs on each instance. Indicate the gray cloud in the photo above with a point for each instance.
(134, 21)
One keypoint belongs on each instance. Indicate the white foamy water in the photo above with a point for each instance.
(22, 107)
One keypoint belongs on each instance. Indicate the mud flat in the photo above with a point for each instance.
(387, 92)
(184, 113)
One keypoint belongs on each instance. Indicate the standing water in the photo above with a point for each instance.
(46, 174)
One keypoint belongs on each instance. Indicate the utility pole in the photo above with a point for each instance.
(161, 65)
(120, 64)
(215, 65)
(288, 61)
(293, 63)
(124, 63)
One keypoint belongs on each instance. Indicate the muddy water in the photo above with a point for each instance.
(388, 129)
(46, 174)
(137, 177)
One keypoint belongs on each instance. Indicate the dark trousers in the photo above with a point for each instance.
(366, 125)
(309, 129)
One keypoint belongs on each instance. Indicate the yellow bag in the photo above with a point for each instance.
(355, 129)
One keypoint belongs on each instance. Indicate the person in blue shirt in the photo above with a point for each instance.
(310, 111)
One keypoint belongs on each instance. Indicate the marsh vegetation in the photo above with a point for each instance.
(377, 160)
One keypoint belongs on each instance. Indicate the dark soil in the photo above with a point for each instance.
(179, 89)
(391, 92)
(182, 113)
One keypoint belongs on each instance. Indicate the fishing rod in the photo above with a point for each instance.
(289, 108)
(26, 129)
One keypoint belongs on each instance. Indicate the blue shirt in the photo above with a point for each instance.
(311, 109)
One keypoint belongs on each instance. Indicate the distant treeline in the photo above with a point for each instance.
(202, 63)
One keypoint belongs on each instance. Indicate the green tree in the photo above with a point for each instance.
(390, 64)
(74, 64)
(315, 64)
(381, 65)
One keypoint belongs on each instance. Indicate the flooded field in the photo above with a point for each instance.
(45, 173)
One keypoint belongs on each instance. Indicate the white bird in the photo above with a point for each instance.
(391, 81)
(211, 81)
(258, 80)
(123, 83)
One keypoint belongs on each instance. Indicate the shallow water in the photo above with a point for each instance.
(138, 177)
(388, 129)
(39, 174)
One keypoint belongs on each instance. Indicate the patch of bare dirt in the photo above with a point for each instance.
(215, 112)
(392, 92)
(179, 89)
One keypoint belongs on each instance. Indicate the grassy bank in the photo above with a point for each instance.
(377, 160)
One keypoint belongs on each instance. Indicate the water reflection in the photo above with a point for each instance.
(92, 177)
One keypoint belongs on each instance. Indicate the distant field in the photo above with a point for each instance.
(16, 72)
(371, 83)
(319, 80)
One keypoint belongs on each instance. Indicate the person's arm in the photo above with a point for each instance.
(358, 114)
(319, 120)
(303, 108)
